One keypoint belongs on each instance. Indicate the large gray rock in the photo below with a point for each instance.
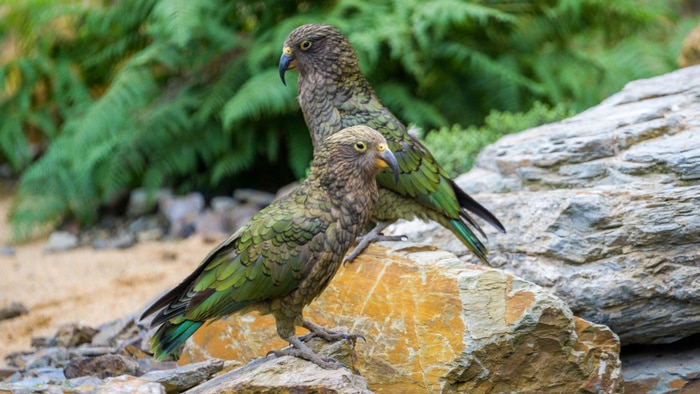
(602, 208)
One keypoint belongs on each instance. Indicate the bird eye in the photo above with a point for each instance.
(305, 45)
(360, 146)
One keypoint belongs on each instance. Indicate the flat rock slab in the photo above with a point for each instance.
(288, 375)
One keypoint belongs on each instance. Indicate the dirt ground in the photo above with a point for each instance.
(83, 285)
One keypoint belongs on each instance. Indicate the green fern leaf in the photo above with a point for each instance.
(262, 94)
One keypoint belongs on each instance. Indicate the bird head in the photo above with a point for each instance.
(359, 150)
(320, 47)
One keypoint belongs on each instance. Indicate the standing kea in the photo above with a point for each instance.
(286, 255)
(333, 94)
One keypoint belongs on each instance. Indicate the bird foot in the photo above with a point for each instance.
(373, 236)
(300, 350)
(328, 335)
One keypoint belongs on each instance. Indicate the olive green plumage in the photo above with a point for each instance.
(333, 94)
(286, 255)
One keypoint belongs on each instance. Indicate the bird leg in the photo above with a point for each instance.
(372, 236)
(328, 335)
(299, 349)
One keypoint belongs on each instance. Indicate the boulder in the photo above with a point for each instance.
(602, 209)
(433, 323)
(61, 241)
(181, 212)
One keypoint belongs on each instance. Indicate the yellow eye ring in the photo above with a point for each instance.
(360, 146)
(306, 44)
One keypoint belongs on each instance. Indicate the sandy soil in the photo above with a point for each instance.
(83, 285)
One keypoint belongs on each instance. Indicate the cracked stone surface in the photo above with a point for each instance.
(603, 209)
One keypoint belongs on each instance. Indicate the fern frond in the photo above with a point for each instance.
(177, 20)
(13, 143)
(220, 91)
(410, 108)
(262, 94)
(433, 20)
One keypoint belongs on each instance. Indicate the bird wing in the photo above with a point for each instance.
(264, 259)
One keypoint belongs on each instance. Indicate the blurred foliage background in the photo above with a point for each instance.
(98, 97)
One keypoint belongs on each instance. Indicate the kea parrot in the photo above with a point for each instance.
(286, 255)
(333, 94)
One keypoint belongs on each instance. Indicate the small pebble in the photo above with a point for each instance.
(6, 250)
(60, 241)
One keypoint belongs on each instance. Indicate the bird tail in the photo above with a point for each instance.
(171, 335)
(470, 204)
(467, 236)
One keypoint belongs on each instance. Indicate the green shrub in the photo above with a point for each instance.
(456, 148)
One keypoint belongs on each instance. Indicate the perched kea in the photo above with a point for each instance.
(334, 94)
(286, 255)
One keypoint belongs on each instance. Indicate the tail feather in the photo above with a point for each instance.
(473, 222)
(470, 204)
(468, 238)
(170, 336)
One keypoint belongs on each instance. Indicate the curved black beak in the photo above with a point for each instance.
(387, 159)
(286, 62)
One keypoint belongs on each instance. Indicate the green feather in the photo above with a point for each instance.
(170, 336)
